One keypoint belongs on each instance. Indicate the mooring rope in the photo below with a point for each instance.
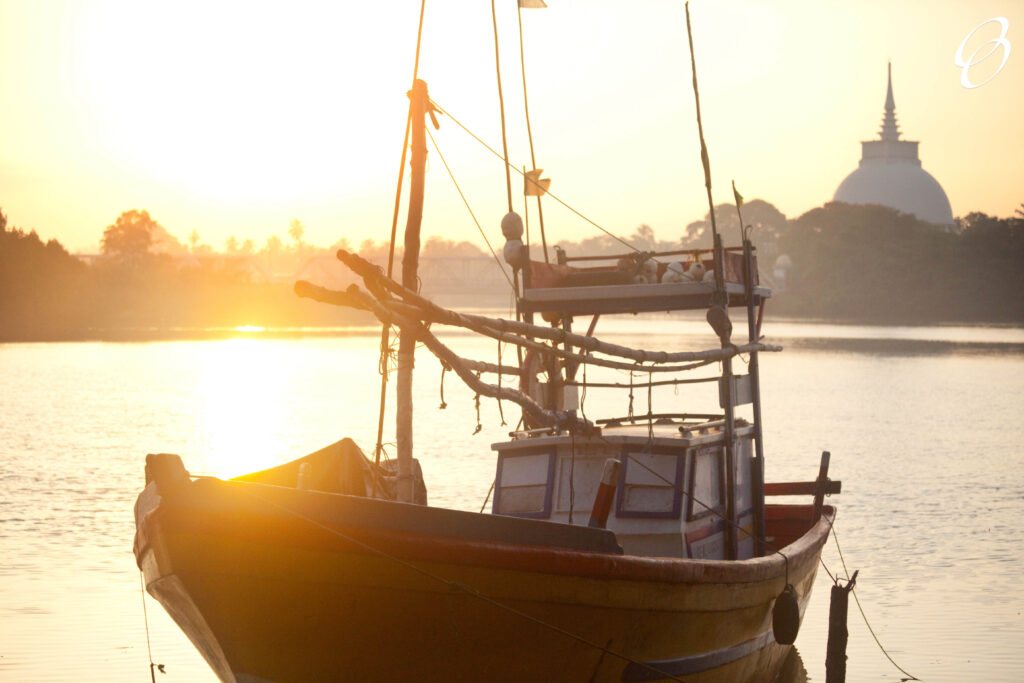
(145, 620)
(910, 676)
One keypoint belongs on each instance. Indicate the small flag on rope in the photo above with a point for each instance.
(532, 4)
(737, 195)
(535, 185)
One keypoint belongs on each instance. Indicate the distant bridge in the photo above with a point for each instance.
(438, 275)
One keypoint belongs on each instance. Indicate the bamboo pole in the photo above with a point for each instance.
(355, 298)
(419, 332)
(410, 263)
(478, 323)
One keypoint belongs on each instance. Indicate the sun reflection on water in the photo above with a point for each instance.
(239, 406)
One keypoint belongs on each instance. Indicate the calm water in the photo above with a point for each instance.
(923, 424)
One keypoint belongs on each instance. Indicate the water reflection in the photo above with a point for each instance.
(904, 347)
(238, 389)
(793, 670)
(925, 446)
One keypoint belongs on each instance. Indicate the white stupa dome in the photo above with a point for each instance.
(890, 174)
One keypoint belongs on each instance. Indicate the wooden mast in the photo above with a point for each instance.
(410, 263)
(718, 318)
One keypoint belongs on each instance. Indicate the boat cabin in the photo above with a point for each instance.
(670, 497)
(674, 491)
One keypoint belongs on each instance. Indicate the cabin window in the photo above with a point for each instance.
(578, 480)
(706, 487)
(524, 483)
(650, 484)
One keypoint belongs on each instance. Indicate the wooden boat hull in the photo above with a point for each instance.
(277, 584)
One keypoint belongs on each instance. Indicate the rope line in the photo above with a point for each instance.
(468, 208)
(145, 619)
(707, 507)
(501, 104)
(549, 193)
(385, 330)
(464, 588)
(529, 131)
(860, 609)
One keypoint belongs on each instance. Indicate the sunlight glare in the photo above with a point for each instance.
(236, 103)
(240, 412)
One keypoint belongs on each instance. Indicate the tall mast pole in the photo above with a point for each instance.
(410, 264)
(718, 317)
(385, 330)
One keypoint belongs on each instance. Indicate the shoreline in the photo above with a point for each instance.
(803, 338)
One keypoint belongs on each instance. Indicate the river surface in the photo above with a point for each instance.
(924, 425)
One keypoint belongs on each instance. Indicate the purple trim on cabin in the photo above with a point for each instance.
(545, 513)
(702, 511)
(677, 487)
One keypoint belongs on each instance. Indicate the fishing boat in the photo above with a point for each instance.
(627, 548)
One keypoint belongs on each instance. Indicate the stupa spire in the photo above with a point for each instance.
(890, 131)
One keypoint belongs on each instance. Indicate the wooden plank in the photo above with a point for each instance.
(819, 495)
(630, 298)
(800, 488)
(740, 392)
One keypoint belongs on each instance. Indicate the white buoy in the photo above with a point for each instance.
(675, 272)
(512, 226)
(513, 253)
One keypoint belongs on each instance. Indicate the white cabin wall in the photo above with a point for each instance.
(649, 516)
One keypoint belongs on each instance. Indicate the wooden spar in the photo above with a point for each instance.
(405, 314)
(419, 331)
(493, 326)
(697, 358)
(718, 317)
(410, 262)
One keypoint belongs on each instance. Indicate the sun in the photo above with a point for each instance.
(235, 103)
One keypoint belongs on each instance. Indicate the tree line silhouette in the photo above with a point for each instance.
(837, 262)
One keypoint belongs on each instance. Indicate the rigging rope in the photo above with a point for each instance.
(549, 193)
(468, 208)
(704, 505)
(501, 103)
(703, 147)
(529, 130)
(385, 329)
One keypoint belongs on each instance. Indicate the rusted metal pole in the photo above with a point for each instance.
(410, 263)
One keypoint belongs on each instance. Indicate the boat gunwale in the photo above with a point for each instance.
(171, 515)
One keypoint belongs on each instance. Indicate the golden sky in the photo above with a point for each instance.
(233, 118)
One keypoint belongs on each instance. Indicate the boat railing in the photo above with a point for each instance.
(819, 488)
(639, 282)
